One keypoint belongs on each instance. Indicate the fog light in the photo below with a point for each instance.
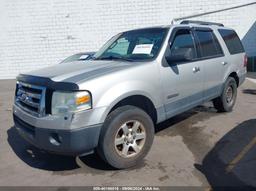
(55, 139)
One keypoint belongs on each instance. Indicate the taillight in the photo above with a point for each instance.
(245, 60)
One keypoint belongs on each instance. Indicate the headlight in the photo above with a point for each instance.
(66, 102)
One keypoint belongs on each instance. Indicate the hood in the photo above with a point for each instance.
(78, 71)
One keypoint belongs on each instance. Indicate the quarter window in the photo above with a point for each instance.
(208, 43)
(232, 41)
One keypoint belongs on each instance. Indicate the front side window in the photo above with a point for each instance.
(208, 43)
(232, 41)
(183, 40)
(136, 45)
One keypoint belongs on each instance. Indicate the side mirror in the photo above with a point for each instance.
(180, 55)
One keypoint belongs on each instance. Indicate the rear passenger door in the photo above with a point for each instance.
(211, 56)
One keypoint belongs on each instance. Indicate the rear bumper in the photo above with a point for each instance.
(242, 78)
(67, 142)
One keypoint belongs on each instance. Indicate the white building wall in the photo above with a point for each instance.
(39, 33)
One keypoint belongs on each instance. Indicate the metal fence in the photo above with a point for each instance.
(251, 67)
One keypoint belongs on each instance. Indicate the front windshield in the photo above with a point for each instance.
(136, 45)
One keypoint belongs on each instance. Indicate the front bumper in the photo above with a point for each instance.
(67, 142)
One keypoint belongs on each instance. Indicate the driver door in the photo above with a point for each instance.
(182, 81)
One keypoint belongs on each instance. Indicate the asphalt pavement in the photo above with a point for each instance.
(200, 147)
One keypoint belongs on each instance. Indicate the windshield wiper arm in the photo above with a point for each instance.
(114, 58)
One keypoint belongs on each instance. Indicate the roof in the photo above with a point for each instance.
(186, 23)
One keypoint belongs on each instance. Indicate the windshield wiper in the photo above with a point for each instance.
(114, 58)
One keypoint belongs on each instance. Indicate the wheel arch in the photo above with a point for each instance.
(140, 101)
(235, 76)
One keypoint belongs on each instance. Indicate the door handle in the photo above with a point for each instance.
(224, 63)
(196, 69)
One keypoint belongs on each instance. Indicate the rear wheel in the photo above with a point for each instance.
(126, 137)
(227, 100)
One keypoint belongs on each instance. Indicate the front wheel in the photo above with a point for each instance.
(126, 137)
(226, 101)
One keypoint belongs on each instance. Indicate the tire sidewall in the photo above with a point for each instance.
(230, 82)
(110, 128)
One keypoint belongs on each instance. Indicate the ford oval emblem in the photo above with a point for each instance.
(24, 97)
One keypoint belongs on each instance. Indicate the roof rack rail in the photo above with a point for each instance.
(200, 23)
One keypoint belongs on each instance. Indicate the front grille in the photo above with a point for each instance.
(31, 98)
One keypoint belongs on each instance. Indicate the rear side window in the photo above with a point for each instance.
(232, 41)
(208, 43)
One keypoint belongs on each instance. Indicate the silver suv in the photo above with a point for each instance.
(138, 79)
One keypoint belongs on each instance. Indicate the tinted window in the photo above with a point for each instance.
(183, 39)
(217, 45)
(232, 41)
(209, 44)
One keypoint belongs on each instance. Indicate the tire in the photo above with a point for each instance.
(226, 101)
(114, 142)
